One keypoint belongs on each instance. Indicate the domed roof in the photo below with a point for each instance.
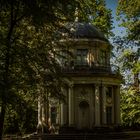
(83, 30)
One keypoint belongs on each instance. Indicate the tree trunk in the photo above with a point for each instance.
(6, 69)
(39, 125)
(2, 115)
(136, 81)
(47, 105)
(5, 91)
(44, 116)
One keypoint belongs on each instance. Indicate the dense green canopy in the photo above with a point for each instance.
(129, 60)
(27, 62)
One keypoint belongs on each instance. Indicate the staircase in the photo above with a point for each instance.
(128, 135)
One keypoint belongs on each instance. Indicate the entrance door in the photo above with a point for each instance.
(84, 115)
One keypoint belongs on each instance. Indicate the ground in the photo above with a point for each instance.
(125, 135)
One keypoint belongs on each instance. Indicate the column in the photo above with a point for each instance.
(58, 119)
(63, 108)
(92, 111)
(71, 106)
(104, 105)
(117, 105)
(97, 106)
(40, 124)
(62, 114)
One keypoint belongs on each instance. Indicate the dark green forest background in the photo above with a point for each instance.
(27, 68)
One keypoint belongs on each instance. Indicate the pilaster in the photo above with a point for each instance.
(71, 106)
(97, 106)
(104, 105)
(62, 114)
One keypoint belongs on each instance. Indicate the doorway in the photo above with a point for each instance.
(84, 115)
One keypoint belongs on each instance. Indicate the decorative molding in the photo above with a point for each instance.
(83, 94)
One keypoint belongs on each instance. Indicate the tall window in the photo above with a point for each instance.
(109, 107)
(103, 57)
(81, 56)
(53, 114)
(109, 92)
(109, 95)
(109, 114)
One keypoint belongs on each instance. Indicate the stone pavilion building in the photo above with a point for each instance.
(93, 91)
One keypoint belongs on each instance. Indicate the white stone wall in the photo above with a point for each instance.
(95, 96)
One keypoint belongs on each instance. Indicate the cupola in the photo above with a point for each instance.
(83, 30)
(89, 47)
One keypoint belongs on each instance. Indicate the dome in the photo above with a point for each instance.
(83, 30)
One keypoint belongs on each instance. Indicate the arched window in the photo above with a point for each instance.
(84, 105)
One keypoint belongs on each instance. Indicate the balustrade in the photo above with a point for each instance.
(111, 69)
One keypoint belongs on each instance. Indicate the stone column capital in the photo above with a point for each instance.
(97, 85)
(71, 85)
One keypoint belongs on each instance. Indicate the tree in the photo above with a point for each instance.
(24, 33)
(129, 63)
(130, 109)
(15, 16)
(128, 15)
(96, 12)
(101, 16)
(21, 114)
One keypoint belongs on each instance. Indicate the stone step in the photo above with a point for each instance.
(80, 137)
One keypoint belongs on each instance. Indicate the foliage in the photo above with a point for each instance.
(129, 13)
(98, 14)
(130, 108)
(26, 49)
(129, 63)
(27, 62)
(127, 48)
(21, 115)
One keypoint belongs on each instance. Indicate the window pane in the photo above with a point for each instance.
(109, 92)
(109, 115)
(103, 57)
(82, 56)
(53, 114)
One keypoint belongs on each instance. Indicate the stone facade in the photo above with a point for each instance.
(89, 105)
(93, 92)
(93, 84)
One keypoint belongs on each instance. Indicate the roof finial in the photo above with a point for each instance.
(76, 15)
